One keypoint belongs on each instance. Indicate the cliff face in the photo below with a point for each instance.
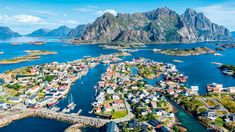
(160, 25)
(6, 33)
(77, 32)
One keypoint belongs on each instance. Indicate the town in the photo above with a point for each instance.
(125, 95)
(124, 84)
(44, 85)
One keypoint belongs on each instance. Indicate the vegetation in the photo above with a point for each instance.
(228, 103)
(31, 55)
(227, 66)
(185, 52)
(49, 78)
(15, 86)
(119, 114)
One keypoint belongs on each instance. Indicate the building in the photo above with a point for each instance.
(231, 89)
(3, 105)
(15, 99)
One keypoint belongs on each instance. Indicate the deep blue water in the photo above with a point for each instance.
(198, 68)
(35, 125)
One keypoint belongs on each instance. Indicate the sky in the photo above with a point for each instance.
(25, 16)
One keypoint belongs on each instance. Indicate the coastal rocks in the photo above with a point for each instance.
(74, 128)
(17, 114)
(185, 52)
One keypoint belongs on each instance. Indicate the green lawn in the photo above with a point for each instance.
(119, 114)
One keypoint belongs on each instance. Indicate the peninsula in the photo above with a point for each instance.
(185, 52)
(30, 55)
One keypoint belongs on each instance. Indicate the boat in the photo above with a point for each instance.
(90, 112)
(52, 103)
(56, 109)
(79, 111)
(71, 105)
(65, 110)
(70, 102)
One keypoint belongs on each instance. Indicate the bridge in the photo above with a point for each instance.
(8, 116)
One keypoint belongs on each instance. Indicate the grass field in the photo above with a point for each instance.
(119, 114)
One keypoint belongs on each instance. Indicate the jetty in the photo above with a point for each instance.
(11, 115)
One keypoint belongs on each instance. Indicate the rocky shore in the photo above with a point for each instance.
(185, 52)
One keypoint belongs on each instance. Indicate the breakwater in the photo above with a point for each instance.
(16, 114)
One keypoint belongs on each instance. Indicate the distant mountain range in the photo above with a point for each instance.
(157, 26)
(62, 31)
(6, 33)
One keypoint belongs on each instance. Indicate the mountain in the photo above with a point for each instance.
(39, 33)
(233, 34)
(62, 31)
(78, 31)
(6, 33)
(157, 26)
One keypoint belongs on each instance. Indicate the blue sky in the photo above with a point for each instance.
(25, 16)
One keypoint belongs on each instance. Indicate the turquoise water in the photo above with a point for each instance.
(199, 69)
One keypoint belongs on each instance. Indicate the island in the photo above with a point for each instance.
(37, 42)
(185, 52)
(227, 45)
(30, 55)
(227, 69)
(40, 52)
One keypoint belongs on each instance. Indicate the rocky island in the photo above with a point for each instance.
(31, 55)
(185, 52)
(37, 42)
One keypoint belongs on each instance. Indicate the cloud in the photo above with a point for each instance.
(68, 22)
(223, 14)
(93, 10)
(43, 12)
(112, 11)
(22, 18)
(86, 9)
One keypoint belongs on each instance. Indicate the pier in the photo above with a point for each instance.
(7, 117)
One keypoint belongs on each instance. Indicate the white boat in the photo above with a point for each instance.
(55, 109)
(65, 110)
(70, 102)
(79, 111)
(90, 112)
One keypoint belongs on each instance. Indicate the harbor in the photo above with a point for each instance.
(86, 85)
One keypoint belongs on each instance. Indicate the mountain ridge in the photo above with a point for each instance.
(6, 33)
(156, 26)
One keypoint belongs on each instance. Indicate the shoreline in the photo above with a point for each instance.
(31, 55)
